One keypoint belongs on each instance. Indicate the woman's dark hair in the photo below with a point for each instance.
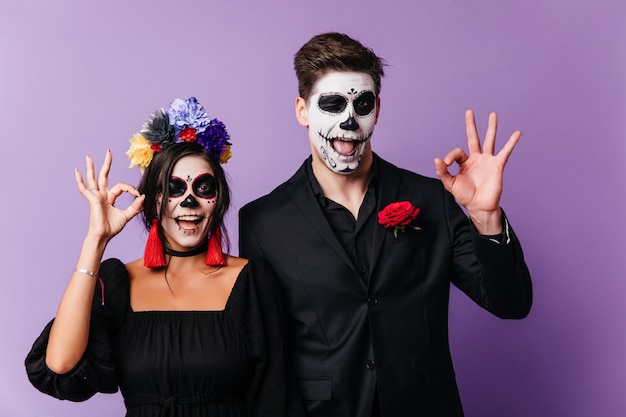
(154, 183)
(334, 51)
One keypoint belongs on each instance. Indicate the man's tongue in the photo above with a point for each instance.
(344, 147)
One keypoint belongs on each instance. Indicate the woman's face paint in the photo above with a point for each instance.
(191, 202)
(342, 113)
(203, 186)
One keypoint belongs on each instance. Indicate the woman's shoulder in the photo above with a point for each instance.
(256, 278)
(237, 262)
(256, 301)
(135, 268)
(256, 269)
(115, 287)
(112, 266)
(114, 272)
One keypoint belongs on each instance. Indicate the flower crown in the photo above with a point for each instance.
(183, 121)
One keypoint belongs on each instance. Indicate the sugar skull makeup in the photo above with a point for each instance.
(190, 204)
(202, 186)
(342, 113)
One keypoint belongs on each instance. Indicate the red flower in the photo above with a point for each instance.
(155, 147)
(188, 134)
(398, 215)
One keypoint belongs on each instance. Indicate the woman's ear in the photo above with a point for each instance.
(302, 114)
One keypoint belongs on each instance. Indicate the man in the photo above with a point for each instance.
(365, 251)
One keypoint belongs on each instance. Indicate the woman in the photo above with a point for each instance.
(187, 330)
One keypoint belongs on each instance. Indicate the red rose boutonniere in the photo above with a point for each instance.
(398, 215)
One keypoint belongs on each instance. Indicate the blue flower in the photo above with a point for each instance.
(189, 113)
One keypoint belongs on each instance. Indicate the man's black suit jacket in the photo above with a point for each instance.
(350, 334)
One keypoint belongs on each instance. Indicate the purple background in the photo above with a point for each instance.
(80, 77)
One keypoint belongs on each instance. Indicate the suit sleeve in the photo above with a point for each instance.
(494, 275)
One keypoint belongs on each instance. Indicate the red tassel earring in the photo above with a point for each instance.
(214, 254)
(153, 255)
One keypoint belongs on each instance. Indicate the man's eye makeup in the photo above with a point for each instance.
(336, 103)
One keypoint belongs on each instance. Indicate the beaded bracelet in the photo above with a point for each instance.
(93, 274)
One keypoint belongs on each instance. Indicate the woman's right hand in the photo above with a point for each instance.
(106, 220)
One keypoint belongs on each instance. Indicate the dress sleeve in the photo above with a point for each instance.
(95, 372)
(272, 389)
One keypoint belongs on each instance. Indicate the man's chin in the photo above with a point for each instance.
(344, 169)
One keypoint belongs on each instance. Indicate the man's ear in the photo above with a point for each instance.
(377, 108)
(302, 114)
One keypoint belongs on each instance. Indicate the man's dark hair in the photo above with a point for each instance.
(334, 51)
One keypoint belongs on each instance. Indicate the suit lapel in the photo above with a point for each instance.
(303, 197)
(388, 188)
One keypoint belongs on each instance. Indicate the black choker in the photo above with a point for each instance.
(193, 252)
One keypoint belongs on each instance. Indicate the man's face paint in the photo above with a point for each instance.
(192, 196)
(342, 113)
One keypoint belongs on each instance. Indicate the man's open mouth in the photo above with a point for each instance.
(345, 147)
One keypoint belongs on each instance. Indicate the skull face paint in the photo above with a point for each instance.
(342, 112)
(202, 186)
(189, 208)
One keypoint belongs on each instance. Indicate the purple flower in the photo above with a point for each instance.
(215, 138)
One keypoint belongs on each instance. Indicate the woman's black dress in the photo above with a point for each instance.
(228, 363)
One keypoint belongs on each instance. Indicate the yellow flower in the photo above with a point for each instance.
(226, 155)
(140, 152)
